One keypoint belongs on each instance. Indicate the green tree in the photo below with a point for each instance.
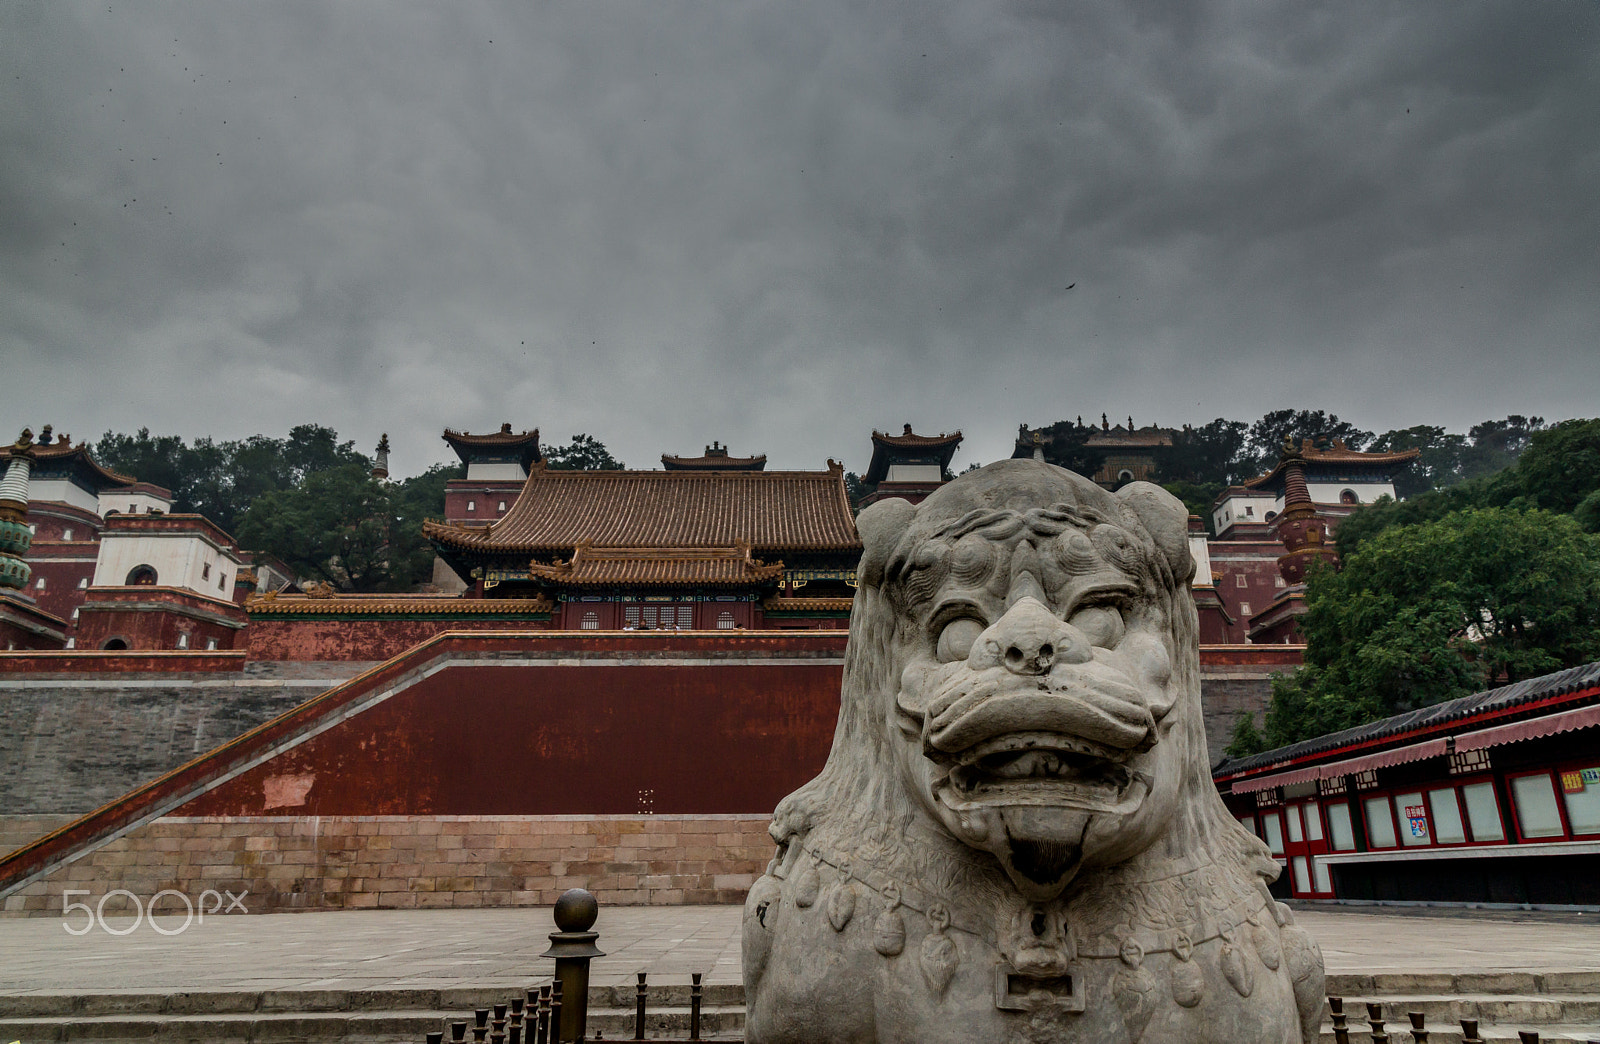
(340, 524)
(1066, 446)
(1439, 461)
(1561, 465)
(1211, 454)
(1428, 612)
(1246, 739)
(856, 489)
(1496, 444)
(220, 480)
(583, 453)
(1265, 441)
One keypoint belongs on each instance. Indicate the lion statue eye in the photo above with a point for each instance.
(955, 640)
(1101, 624)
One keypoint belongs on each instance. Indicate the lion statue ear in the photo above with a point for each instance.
(881, 526)
(1166, 519)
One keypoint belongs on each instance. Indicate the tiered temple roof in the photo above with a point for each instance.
(659, 567)
(500, 445)
(769, 510)
(715, 459)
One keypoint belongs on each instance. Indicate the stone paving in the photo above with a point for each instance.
(443, 949)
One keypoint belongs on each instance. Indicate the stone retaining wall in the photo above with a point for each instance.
(402, 862)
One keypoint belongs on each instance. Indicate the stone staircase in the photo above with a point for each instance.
(1562, 1006)
(398, 1016)
(1559, 1006)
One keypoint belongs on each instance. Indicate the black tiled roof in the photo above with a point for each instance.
(1526, 691)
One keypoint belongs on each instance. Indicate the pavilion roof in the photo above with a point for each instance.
(767, 510)
(62, 455)
(1334, 455)
(715, 459)
(885, 446)
(659, 567)
(469, 447)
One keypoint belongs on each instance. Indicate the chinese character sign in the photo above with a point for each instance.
(1417, 817)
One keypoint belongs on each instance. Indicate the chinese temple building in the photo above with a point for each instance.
(908, 465)
(715, 459)
(1491, 798)
(677, 549)
(1126, 454)
(1269, 528)
(23, 625)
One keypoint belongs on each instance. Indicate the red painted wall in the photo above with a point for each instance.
(360, 639)
(122, 612)
(546, 739)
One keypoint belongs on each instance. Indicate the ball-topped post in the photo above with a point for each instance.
(573, 948)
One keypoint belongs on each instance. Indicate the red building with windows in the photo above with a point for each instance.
(1491, 798)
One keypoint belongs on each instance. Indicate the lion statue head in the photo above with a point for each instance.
(1019, 776)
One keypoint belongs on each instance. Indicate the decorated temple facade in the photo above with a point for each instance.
(1270, 528)
(685, 548)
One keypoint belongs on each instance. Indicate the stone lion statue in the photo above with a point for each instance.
(1016, 837)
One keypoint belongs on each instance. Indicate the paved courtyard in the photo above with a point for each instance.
(410, 949)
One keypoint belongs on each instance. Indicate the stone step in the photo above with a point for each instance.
(370, 1027)
(1530, 1010)
(1441, 1033)
(1404, 983)
(231, 1002)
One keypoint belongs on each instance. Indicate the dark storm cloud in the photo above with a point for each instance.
(780, 225)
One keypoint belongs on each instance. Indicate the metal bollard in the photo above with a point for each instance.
(638, 1009)
(1375, 1018)
(1469, 1032)
(458, 1032)
(435, 1037)
(1341, 1024)
(573, 948)
(556, 1020)
(1419, 1033)
(544, 1015)
(694, 1007)
(1529, 1036)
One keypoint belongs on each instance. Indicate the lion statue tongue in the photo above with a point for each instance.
(1015, 837)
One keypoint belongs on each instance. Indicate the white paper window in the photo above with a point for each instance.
(83, 583)
(1302, 874)
(1447, 826)
(724, 621)
(1313, 822)
(1414, 826)
(1244, 608)
(1273, 825)
(1583, 806)
(1340, 831)
(1535, 798)
(472, 505)
(66, 534)
(1483, 812)
(630, 616)
(183, 641)
(502, 505)
(1293, 812)
(590, 621)
(1319, 870)
(686, 615)
(1380, 823)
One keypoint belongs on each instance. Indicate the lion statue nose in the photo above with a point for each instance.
(1029, 639)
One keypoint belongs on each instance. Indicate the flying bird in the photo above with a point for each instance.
(1071, 285)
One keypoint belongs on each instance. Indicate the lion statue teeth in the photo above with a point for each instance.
(1016, 837)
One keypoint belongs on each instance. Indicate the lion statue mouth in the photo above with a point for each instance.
(1041, 769)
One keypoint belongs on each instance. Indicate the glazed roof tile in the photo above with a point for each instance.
(659, 566)
(467, 445)
(768, 510)
(1435, 718)
(807, 605)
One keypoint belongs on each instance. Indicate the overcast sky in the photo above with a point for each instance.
(780, 225)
